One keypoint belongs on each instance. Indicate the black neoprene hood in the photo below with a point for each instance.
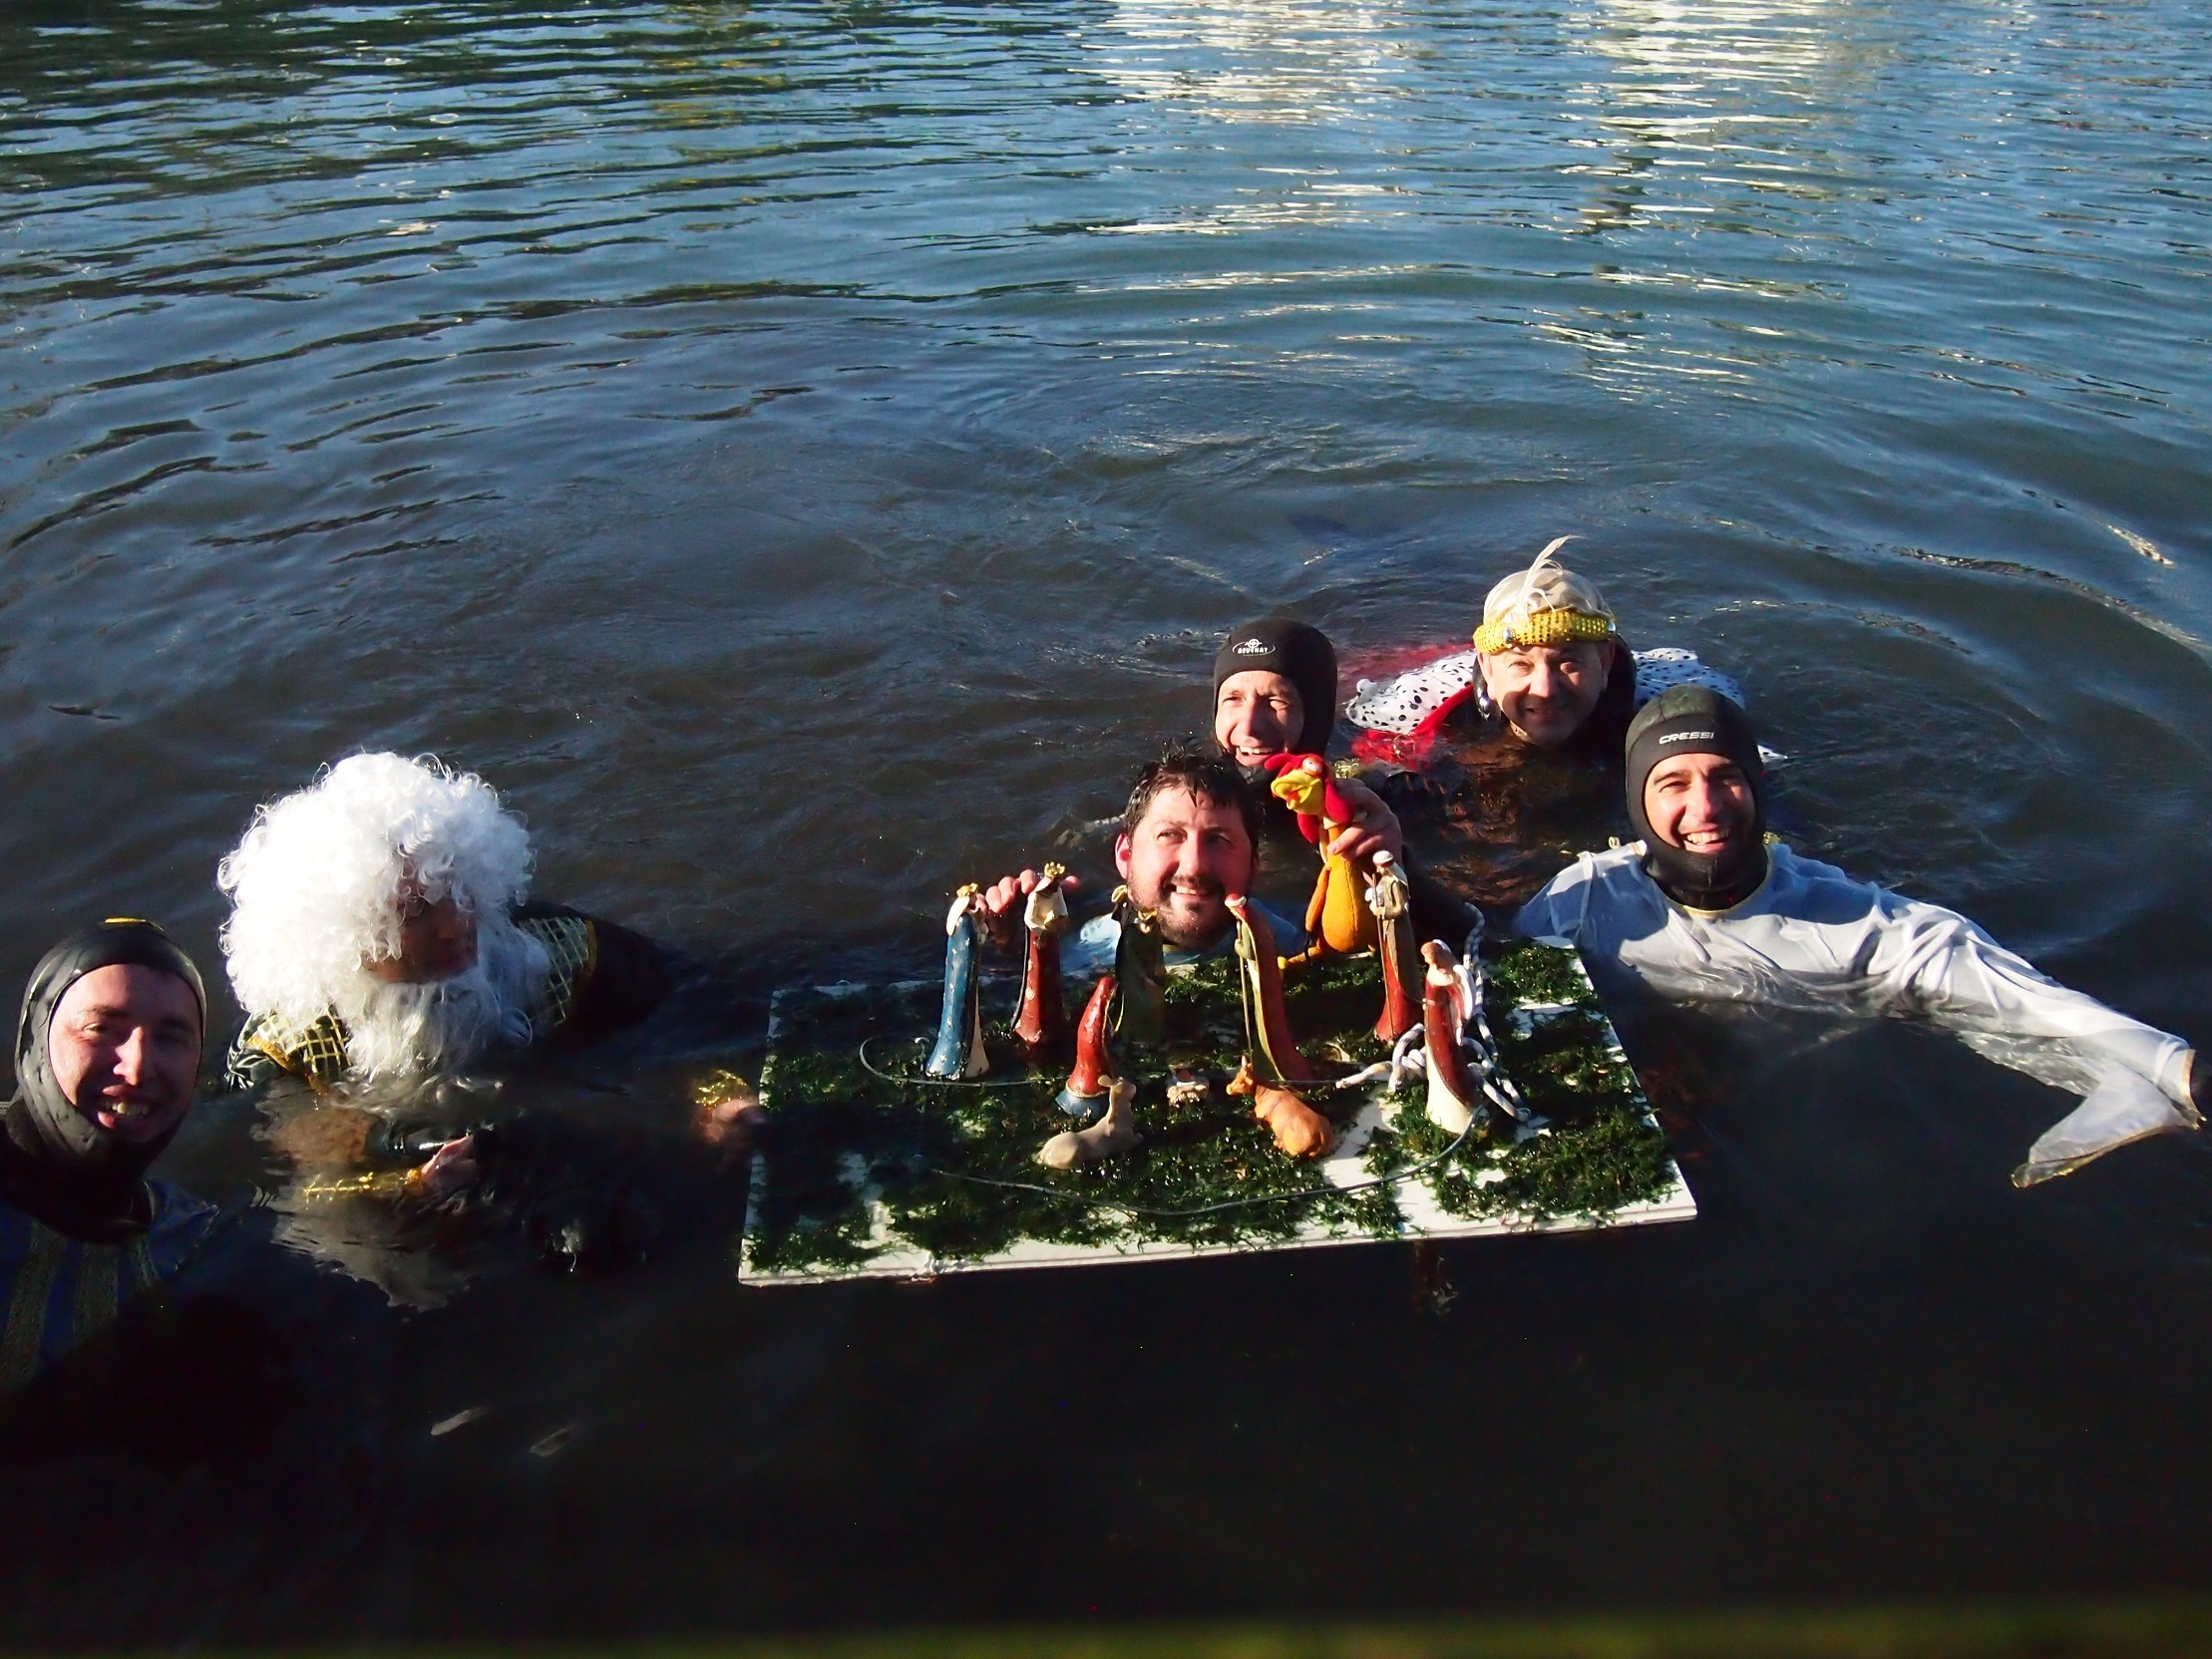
(1697, 720)
(1302, 654)
(59, 1162)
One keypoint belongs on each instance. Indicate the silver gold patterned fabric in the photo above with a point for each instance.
(56, 1291)
(317, 1051)
(573, 947)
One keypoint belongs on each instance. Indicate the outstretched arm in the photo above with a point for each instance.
(2134, 1080)
(1933, 960)
(586, 1198)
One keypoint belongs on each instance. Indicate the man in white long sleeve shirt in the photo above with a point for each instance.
(1702, 907)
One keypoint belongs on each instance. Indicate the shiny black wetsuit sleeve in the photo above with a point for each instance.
(630, 976)
(249, 1068)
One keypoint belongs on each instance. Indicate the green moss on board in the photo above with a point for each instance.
(950, 1169)
(1522, 972)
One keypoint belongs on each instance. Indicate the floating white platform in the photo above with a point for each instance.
(1421, 1216)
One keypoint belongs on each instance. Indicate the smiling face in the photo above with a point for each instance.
(1184, 857)
(1546, 691)
(436, 940)
(1702, 803)
(1257, 713)
(125, 1048)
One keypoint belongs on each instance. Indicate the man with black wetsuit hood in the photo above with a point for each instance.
(1696, 797)
(107, 1057)
(1704, 907)
(1275, 693)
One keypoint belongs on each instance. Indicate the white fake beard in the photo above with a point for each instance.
(447, 1024)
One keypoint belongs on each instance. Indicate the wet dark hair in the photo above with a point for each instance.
(1203, 776)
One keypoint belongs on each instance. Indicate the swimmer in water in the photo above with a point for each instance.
(380, 928)
(380, 941)
(1549, 674)
(1704, 907)
(1275, 693)
(1505, 756)
(1553, 665)
(107, 1057)
(1189, 838)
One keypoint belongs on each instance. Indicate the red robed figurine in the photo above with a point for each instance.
(1087, 1085)
(1401, 973)
(1040, 1019)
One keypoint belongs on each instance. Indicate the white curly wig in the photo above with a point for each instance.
(315, 886)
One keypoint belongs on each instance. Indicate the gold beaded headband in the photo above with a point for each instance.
(1546, 627)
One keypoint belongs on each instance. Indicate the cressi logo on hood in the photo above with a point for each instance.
(1699, 717)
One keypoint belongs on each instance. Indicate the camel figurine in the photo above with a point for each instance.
(1298, 1130)
(1087, 1085)
(959, 1047)
(1392, 904)
(1041, 1017)
(1337, 923)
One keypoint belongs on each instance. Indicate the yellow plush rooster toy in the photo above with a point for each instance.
(1337, 920)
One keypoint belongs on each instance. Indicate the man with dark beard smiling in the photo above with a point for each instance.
(1189, 839)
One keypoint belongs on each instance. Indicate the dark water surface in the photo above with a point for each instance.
(804, 454)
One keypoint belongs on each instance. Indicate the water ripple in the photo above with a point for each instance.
(803, 452)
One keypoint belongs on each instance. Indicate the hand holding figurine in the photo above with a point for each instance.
(1374, 826)
(1000, 912)
(726, 1111)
